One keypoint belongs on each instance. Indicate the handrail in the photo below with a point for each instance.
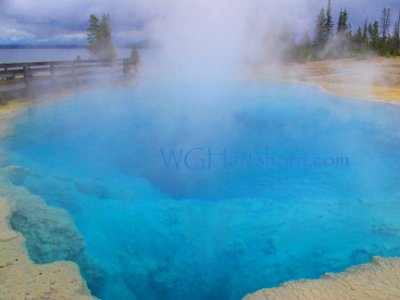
(60, 62)
(27, 72)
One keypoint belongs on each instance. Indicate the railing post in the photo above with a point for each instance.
(126, 65)
(26, 75)
(76, 66)
(74, 75)
(52, 73)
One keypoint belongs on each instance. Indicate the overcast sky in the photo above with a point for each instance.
(51, 21)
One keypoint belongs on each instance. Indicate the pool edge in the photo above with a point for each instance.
(61, 280)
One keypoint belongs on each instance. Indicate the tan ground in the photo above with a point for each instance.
(20, 278)
(372, 78)
(378, 280)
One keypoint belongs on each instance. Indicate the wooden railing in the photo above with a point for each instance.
(28, 72)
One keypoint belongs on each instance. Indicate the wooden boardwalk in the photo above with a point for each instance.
(15, 78)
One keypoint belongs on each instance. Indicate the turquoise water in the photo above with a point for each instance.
(205, 191)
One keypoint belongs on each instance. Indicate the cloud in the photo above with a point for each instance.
(50, 20)
(11, 31)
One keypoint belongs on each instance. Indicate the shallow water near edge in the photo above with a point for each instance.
(209, 191)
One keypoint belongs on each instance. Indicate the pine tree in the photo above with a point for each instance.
(323, 28)
(365, 31)
(329, 21)
(349, 32)
(378, 36)
(397, 28)
(303, 50)
(394, 41)
(107, 49)
(134, 55)
(99, 38)
(320, 31)
(342, 23)
(93, 35)
(307, 41)
(358, 37)
(373, 31)
(385, 23)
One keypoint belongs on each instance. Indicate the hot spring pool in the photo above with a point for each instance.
(205, 191)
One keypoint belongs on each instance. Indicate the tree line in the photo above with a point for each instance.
(339, 40)
(330, 39)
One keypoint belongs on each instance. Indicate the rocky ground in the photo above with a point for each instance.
(20, 277)
(378, 280)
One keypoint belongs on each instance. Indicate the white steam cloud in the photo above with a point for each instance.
(217, 37)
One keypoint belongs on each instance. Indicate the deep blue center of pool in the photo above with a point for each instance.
(207, 191)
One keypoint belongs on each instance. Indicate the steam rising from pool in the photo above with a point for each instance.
(266, 183)
(193, 185)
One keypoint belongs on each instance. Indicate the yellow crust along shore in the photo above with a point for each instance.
(21, 279)
(378, 280)
(371, 79)
(364, 79)
(6, 112)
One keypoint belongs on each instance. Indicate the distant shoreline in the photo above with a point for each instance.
(142, 44)
(42, 46)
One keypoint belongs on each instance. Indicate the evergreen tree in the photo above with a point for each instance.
(342, 23)
(358, 37)
(385, 23)
(376, 36)
(320, 31)
(373, 31)
(328, 21)
(349, 32)
(324, 27)
(93, 35)
(134, 55)
(286, 41)
(307, 41)
(359, 41)
(107, 49)
(99, 38)
(365, 31)
(397, 28)
(304, 49)
(394, 41)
